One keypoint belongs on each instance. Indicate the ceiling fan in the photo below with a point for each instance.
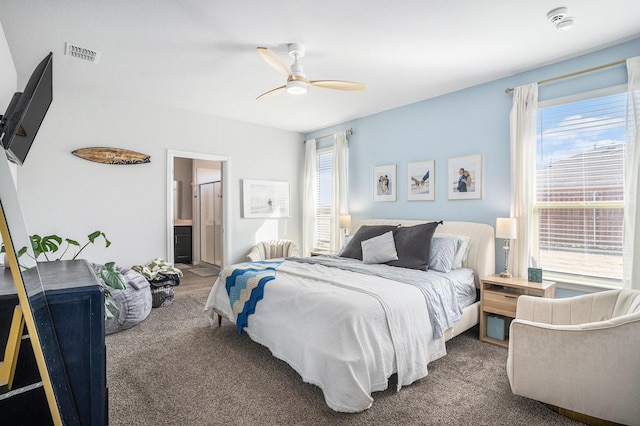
(297, 83)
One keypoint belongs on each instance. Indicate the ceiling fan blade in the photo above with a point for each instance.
(272, 92)
(273, 60)
(337, 84)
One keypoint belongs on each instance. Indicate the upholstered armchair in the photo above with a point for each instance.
(580, 353)
(273, 249)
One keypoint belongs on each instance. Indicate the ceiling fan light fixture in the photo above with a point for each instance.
(296, 87)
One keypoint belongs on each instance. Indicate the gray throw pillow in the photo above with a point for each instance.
(462, 250)
(380, 249)
(443, 253)
(365, 232)
(413, 244)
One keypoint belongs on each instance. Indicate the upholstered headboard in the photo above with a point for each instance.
(481, 258)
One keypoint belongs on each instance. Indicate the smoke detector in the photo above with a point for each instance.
(80, 52)
(559, 17)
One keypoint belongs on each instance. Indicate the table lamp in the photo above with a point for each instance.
(345, 223)
(506, 229)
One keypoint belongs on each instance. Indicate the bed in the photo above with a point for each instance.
(347, 326)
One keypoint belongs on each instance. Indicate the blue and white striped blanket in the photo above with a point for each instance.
(245, 283)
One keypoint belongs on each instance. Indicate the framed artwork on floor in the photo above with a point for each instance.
(421, 177)
(384, 183)
(464, 177)
(265, 198)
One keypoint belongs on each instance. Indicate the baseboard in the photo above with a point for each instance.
(579, 417)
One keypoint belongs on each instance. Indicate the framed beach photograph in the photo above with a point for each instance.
(265, 198)
(384, 183)
(421, 177)
(464, 177)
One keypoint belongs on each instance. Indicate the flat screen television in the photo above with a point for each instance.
(20, 123)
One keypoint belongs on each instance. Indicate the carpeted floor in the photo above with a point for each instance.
(174, 368)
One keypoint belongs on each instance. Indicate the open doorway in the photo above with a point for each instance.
(196, 209)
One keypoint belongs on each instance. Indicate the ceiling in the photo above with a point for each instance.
(200, 55)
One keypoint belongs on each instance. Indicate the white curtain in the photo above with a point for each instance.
(523, 176)
(339, 188)
(631, 273)
(309, 198)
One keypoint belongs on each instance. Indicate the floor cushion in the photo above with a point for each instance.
(133, 303)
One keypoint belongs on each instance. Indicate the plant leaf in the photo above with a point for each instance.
(50, 243)
(109, 306)
(36, 244)
(72, 242)
(112, 277)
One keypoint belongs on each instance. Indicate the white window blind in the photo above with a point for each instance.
(324, 171)
(580, 189)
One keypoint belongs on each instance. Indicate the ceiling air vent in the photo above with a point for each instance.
(83, 53)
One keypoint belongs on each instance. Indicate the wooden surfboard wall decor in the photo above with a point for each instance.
(112, 155)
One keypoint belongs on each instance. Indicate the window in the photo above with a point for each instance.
(324, 172)
(579, 208)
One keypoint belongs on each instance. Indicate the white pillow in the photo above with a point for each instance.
(379, 249)
(463, 242)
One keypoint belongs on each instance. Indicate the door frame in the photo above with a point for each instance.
(226, 214)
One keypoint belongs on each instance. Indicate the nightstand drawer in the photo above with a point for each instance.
(500, 303)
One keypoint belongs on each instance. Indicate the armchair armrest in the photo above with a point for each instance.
(255, 254)
(293, 250)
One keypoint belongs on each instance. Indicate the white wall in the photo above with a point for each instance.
(8, 80)
(71, 197)
(8, 75)
(182, 172)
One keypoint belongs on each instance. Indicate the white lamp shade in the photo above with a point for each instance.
(345, 221)
(506, 227)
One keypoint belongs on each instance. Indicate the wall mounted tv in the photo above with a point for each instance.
(20, 123)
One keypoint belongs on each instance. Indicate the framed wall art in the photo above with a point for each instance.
(421, 177)
(384, 183)
(464, 177)
(265, 198)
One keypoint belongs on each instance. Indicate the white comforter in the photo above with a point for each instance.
(342, 331)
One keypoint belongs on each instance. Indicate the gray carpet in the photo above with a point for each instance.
(173, 368)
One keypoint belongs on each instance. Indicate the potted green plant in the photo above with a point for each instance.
(48, 245)
(52, 243)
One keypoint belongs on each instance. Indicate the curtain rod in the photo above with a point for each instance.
(599, 67)
(349, 131)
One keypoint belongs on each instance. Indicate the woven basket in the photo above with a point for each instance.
(162, 296)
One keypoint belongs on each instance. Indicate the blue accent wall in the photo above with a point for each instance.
(470, 121)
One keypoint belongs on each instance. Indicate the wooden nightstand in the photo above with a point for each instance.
(499, 295)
